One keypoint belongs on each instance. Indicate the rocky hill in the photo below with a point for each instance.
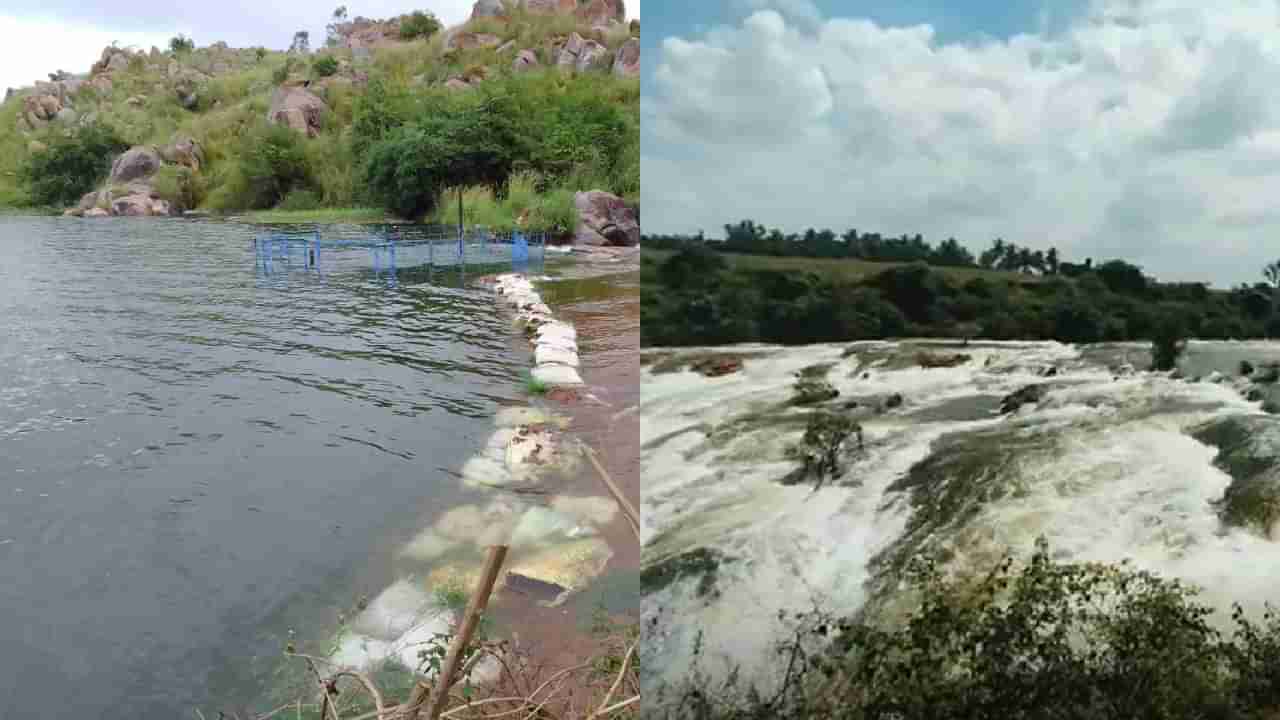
(194, 124)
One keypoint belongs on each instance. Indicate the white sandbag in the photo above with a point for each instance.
(393, 611)
(557, 329)
(544, 354)
(542, 526)
(428, 545)
(512, 417)
(594, 509)
(358, 652)
(553, 374)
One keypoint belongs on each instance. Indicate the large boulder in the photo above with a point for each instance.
(525, 60)
(136, 163)
(602, 12)
(462, 40)
(184, 151)
(298, 108)
(113, 59)
(1023, 396)
(488, 8)
(580, 53)
(39, 110)
(626, 62)
(551, 7)
(605, 219)
(140, 205)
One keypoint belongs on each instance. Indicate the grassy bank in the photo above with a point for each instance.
(320, 216)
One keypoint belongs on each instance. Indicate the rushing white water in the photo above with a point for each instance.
(1104, 466)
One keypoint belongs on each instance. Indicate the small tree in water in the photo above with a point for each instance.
(1168, 343)
(824, 440)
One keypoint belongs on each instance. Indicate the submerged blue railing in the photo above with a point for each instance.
(392, 250)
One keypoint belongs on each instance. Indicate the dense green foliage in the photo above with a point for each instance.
(71, 165)
(699, 297)
(1049, 640)
(325, 65)
(566, 134)
(181, 44)
(273, 163)
(418, 24)
(474, 142)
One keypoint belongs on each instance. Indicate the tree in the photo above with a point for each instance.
(824, 440)
(301, 43)
(1272, 273)
(418, 24)
(180, 43)
(1168, 342)
(333, 36)
(475, 142)
(1051, 261)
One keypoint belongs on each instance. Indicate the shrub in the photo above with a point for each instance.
(271, 163)
(824, 440)
(1051, 640)
(325, 65)
(183, 188)
(181, 44)
(1168, 342)
(418, 24)
(71, 165)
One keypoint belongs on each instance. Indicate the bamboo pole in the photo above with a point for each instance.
(628, 509)
(470, 620)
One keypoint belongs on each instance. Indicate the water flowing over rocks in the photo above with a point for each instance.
(1114, 463)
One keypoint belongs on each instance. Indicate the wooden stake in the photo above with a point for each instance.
(470, 620)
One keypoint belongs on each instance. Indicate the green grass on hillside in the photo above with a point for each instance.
(232, 105)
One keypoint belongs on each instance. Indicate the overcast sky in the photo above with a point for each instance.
(1141, 129)
(38, 37)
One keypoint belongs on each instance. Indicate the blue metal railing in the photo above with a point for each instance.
(396, 248)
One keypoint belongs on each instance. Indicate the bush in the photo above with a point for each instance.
(1052, 640)
(1167, 343)
(181, 44)
(71, 165)
(325, 65)
(183, 188)
(418, 24)
(271, 163)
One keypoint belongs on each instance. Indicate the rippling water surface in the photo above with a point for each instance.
(196, 457)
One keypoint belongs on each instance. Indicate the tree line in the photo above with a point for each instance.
(748, 237)
(697, 297)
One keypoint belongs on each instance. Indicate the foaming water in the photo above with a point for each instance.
(196, 458)
(1104, 465)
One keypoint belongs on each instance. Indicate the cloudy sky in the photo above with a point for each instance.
(40, 36)
(1142, 129)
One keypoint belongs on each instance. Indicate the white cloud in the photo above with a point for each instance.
(33, 48)
(1143, 129)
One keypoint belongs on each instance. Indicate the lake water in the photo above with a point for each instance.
(196, 458)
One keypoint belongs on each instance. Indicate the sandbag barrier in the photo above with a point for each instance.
(555, 343)
(557, 547)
